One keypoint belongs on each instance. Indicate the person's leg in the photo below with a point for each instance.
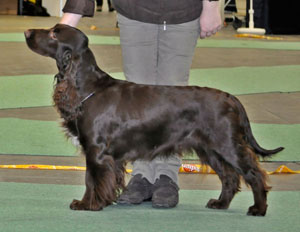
(176, 51)
(110, 7)
(139, 53)
(176, 46)
(139, 50)
(139, 42)
(99, 5)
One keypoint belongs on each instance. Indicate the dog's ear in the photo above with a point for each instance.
(70, 36)
(66, 59)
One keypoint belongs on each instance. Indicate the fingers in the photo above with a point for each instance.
(204, 34)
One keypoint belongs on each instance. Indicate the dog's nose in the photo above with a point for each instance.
(28, 33)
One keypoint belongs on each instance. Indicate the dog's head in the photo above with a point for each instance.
(62, 42)
(66, 45)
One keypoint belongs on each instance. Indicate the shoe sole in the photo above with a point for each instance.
(163, 206)
(127, 202)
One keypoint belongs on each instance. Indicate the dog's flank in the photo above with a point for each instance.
(118, 121)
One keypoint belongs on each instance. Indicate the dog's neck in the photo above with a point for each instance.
(96, 80)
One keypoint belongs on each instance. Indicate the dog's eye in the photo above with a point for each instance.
(53, 33)
(56, 30)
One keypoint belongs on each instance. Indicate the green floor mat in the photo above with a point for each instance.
(37, 207)
(46, 138)
(208, 43)
(26, 91)
(31, 137)
(249, 80)
(271, 136)
(12, 37)
(36, 90)
(254, 44)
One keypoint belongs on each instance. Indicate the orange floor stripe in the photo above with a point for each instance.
(185, 168)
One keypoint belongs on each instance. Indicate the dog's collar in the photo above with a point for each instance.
(87, 97)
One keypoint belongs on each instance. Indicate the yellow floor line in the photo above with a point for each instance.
(198, 168)
(185, 168)
(258, 37)
(43, 167)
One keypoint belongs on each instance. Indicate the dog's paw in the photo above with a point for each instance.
(82, 205)
(77, 205)
(257, 211)
(216, 204)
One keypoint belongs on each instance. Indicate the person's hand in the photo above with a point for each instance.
(210, 19)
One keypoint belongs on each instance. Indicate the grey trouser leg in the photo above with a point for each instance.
(159, 55)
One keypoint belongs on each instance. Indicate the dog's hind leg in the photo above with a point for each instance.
(229, 177)
(101, 181)
(245, 162)
(256, 178)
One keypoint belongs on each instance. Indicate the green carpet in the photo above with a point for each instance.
(37, 207)
(32, 137)
(249, 80)
(26, 91)
(209, 43)
(46, 138)
(36, 90)
(254, 44)
(271, 136)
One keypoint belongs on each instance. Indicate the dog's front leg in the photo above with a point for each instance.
(101, 183)
(89, 200)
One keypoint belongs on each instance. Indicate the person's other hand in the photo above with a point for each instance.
(210, 19)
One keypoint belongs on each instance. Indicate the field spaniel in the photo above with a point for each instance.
(118, 121)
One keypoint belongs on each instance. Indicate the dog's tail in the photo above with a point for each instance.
(250, 138)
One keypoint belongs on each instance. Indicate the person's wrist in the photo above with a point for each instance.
(70, 19)
(210, 4)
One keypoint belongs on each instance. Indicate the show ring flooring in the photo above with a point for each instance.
(263, 74)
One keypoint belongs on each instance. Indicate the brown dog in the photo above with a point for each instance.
(118, 121)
